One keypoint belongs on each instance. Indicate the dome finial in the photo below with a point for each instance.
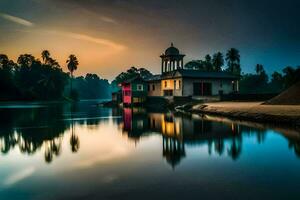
(172, 45)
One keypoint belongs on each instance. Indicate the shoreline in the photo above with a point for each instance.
(251, 111)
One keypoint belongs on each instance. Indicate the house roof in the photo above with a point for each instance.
(154, 78)
(135, 78)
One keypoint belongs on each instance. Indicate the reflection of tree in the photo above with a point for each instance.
(296, 145)
(31, 129)
(219, 146)
(236, 148)
(74, 140)
(52, 148)
(173, 150)
(7, 142)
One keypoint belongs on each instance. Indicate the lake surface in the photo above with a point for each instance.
(63, 151)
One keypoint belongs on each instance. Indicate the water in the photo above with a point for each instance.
(60, 151)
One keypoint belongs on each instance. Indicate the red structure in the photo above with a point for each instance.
(126, 91)
(134, 91)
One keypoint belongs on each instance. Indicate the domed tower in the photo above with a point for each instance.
(171, 60)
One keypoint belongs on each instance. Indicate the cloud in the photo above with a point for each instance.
(88, 38)
(16, 20)
(108, 20)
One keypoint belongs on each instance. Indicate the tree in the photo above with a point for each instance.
(259, 69)
(291, 75)
(195, 65)
(218, 62)
(7, 85)
(130, 73)
(277, 83)
(26, 60)
(233, 61)
(72, 66)
(45, 56)
(208, 63)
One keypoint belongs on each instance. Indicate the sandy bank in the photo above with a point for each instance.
(254, 111)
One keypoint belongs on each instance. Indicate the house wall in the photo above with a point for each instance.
(157, 91)
(126, 93)
(168, 84)
(138, 95)
(220, 84)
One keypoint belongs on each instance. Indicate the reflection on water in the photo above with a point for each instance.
(84, 136)
(178, 130)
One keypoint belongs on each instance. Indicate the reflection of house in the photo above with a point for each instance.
(179, 131)
(173, 150)
(135, 122)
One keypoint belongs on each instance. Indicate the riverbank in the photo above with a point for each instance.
(252, 111)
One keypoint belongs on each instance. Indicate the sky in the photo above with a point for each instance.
(109, 36)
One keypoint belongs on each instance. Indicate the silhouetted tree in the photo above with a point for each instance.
(208, 63)
(7, 85)
(233, 61)
(218, 61)
(72, 66)
(259, 69)
(130, 73)
(45, 56)
(195, 65)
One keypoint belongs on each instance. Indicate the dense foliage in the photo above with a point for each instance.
(130, 73)
(217, 61)
(260, 83)
(31, 79)
(91, 87)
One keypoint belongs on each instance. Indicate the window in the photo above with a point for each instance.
(221, 84)
(148, 88)
(177, 84)
(166, 84)
(139, 87)
(153, 87)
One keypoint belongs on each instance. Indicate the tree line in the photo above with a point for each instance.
(130, 73)
(32, 79)
(217, 61)
(258, 82)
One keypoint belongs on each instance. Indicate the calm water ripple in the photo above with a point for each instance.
(64, 151)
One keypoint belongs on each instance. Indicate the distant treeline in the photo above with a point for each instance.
(130, 73)
(92, 87)
(259, 82)
(255, 83)
(32, 79)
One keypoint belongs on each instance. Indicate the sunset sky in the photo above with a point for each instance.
(108, 36)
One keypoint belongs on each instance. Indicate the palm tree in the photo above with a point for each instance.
(208, 63)
(218, 61)
(259, 68)
(45, 56)
(233, 61)
(72, 66)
